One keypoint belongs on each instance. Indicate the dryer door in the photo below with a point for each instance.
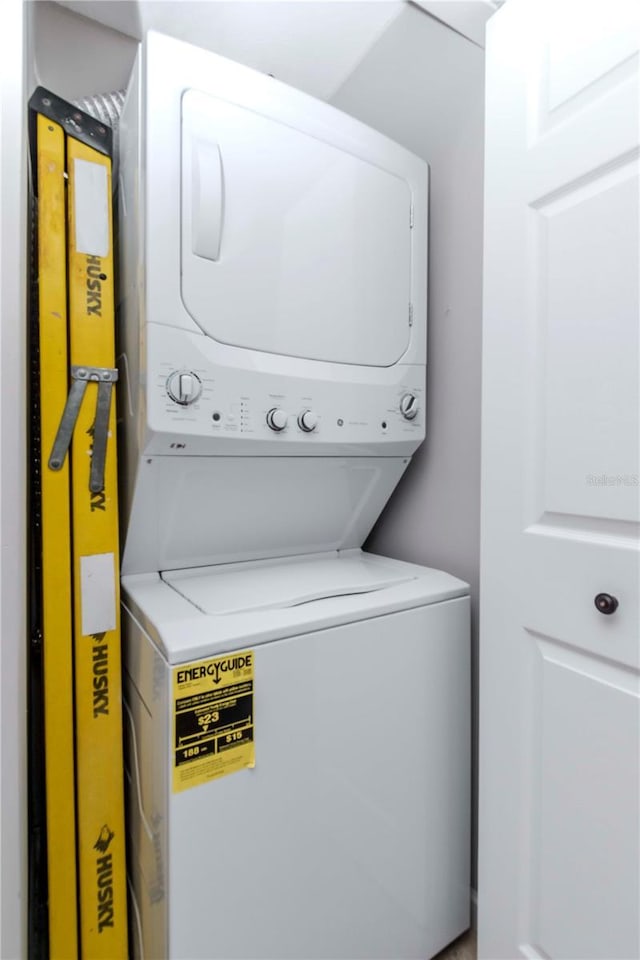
(291, 245)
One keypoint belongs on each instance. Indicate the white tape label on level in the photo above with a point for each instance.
(98, 593)
(91, 208)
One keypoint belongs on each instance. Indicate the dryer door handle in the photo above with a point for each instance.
(205, 190)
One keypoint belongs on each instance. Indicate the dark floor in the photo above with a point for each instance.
(464, 948)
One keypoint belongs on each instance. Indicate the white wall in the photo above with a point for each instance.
(13, 494)
(422, 85)
(311, 44)
(75, 57)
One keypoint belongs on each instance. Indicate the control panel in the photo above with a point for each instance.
(286, 414)
(193, 401)
(184, 388)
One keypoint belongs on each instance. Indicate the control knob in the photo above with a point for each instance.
(277, 419)
(308, 421)
(409, 406)
(184, 387)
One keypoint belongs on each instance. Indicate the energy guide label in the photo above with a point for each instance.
(213, 719)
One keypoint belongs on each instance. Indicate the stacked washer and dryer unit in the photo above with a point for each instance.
(297, 710)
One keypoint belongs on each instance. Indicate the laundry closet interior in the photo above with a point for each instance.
(419, 82)
(299, 195)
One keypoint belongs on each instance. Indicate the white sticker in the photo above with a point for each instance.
(91, 208)
(98, 593)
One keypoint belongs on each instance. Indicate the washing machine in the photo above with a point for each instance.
(297, 710)
(298, 737)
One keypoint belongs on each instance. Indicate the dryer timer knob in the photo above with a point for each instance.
(409, 406)
(184, 387)
(277, 419)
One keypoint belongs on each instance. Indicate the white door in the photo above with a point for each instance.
(559, 858)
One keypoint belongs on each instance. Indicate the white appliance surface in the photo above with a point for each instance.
(235, 588)
(274, 255)
(251, 187)
(193, 511)
(209, 611)
(273, 304)
(322, 235)
(350, 836)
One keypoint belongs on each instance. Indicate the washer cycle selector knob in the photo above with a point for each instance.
(308, 421)
(184, 387)
(277, 419)
(409, 406)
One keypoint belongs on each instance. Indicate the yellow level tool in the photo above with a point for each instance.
(79, 506)
(56, 546)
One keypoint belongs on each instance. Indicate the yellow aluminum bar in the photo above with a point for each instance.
(100, 770)
(56, 546)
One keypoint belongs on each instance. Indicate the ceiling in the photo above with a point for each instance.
(308, 44)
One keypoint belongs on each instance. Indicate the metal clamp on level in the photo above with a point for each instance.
(81, 376)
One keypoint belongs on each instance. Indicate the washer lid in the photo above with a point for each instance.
(208, 611)
(277, 584)
(291, 245)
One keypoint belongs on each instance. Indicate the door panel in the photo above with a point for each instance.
(588, 299)
(587, 46)
(290, 245)
(559, 847)
(565, 568)
(585, 824)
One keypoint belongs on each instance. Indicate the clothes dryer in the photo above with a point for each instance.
(273, 315)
